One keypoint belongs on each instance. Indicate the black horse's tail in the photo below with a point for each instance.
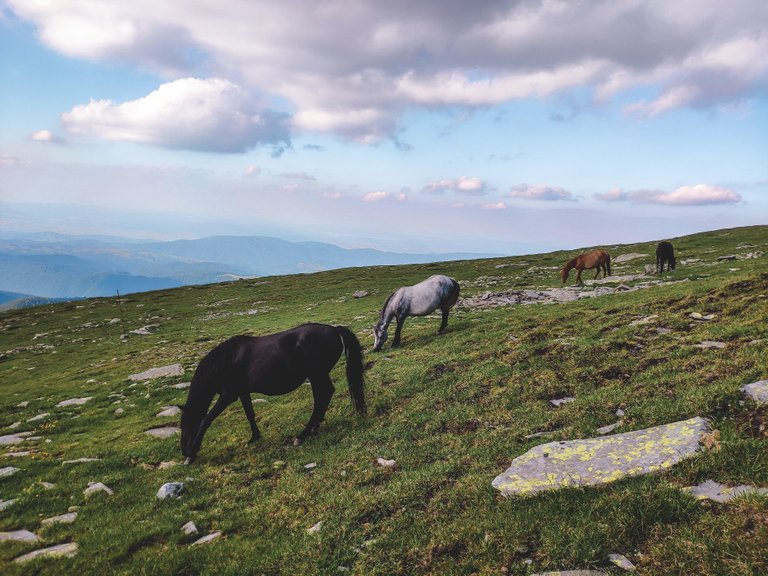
(355, 376)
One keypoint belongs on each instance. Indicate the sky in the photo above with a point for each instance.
(440, 125)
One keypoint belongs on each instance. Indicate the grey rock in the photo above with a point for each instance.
(80, 461)
(169, 411)
(73, 402)
(19, 536)
(164, 432)
(643, 321)
(8, 471)
(41, 416)
(181, 385)
(189, 528)
(609, 428)
(67, 518)
(171, 490)
(6, 503)
(757, 391)
(20, 454)
(96, 487)
(152, 373)
(560, 401)
(596, 461)
(711, 490)
(726, 258)
(61, 550)
(360, 294)
(571, 573)
(205, 539)
(10, 440)
(706, 344)
(384, 463)
(622, 562)
(315, 528)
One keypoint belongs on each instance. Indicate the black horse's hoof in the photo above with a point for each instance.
(189, 460)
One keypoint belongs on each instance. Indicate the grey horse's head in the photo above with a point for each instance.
(380, 335)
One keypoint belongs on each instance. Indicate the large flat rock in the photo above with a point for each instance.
(757, 391)
(595, 461)
(172, 370)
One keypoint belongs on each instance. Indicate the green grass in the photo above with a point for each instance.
(452, 410)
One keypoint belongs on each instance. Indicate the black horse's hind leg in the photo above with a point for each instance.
(398, 330)
(223, 401)
(322, 391)
(444, 323)
(245, 400)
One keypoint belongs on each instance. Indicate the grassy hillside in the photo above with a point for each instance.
(452, 411)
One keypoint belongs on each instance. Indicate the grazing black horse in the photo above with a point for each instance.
(275, 364)
(665, 254)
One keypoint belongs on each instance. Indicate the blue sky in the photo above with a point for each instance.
(490, 126)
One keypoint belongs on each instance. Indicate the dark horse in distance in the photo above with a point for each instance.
(665, 254)
(275, 364)
(595, 259)
(419, 300)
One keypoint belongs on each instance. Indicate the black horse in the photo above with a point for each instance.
(275, 364)
(665, 254)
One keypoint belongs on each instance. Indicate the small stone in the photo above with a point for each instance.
(643, 321)
(619, 412)
(572, 573)
(189, 528)
(310, 466)
(663, 330)
(73, 402)
(25, 403)
(19, 536)
(167, 464)
(80, 461)
(171, 490)
(316, 528)
(609, 428)
(169, 411)
(41, 416)
(726, 258)
(181, 385)
(60, 550)
(706, 344)
(259, 401)
(10, 440)
(360, 293)
(94, 487)
(560, 401)
(119, 411)
(67, 518)
(711, 490)
(163, 371)
(384, 463)
(18, 454)
(210, 537)
(6, 504)
(757, 391)
(622, 562)
(47, 485)
(164, 432)
(8, 471)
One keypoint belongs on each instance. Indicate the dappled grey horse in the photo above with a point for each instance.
(419, 300)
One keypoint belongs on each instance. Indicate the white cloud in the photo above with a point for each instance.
(379, 195)
(252, 170)
(192, 114)
(9, 160)
(698, 195)
(46, 136)
(298, 176)
(494, 206)
(354, 69)
(541, 192)
(471, 185)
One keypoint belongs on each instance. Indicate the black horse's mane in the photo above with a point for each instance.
(221, 360)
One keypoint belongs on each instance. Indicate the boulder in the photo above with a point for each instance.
(171, 490)
(596, 461)
(58, 551)
(757, 391)
(19, 536)
(152, 373)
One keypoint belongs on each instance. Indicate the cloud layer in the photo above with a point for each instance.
(540, 192)
(353, 69)
(698, 195)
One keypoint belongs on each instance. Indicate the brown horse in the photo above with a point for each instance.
(595, 259)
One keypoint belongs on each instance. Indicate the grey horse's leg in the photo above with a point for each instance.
(398, 330)
(322, 391)
(444, 323)
(245, 400)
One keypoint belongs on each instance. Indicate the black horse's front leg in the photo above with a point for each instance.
(217, 409)
(245, 400)
(322, 391)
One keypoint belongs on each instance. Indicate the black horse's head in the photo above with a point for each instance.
(672, 262)
(380, 335)
(190, 423)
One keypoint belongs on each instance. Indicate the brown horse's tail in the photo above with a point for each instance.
(355, 371)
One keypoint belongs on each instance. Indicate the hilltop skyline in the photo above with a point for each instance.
(495, 126)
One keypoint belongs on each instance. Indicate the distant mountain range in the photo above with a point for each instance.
(65, 267)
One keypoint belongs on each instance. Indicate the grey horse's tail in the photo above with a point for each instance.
(355, 370)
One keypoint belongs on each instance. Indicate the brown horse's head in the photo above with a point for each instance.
(564, 274)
